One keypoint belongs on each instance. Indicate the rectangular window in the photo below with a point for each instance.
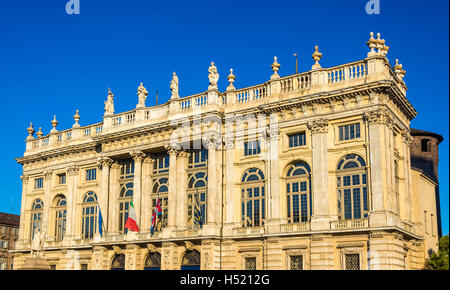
(91, 174)
(296, 262)
(352, 262)
(84, 266)
(251, 148)
(38, 183)
(349, 132)
(425, 221)
(250, 263)
(297, 140)
(62, 178)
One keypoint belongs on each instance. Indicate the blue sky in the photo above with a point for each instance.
(52, 63)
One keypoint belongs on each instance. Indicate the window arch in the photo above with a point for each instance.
(253, 205)
(36, 216)
(153, 261)
(298, 192)
(191, 260)
(425, 145)
(89, 216)
(197, 199)
(125, 198)
(118, 262)
(60, 204)
(353, 201)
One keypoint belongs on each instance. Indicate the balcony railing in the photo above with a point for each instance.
(187, 233)
(247, 231)
(295, 227)
(349, 224)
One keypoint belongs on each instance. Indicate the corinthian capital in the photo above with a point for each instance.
(318, 126)
(407, 138)
(212, 140)
(105, 161)
(48, 174)
(25, 178)
(381, 116)
(172, 148)
(73, 170)
(137, 155)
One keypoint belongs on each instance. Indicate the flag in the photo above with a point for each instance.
(131, 223)
(198, 215)
(157, 212)
(100, 222)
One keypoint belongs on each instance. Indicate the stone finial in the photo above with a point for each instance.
(30, 131)
(372, 43)
(77, 118)
(231, 79)
(398, 69)
(316, 56)
(39, 133)
(142, 94)
(275, 68)
(54, 124)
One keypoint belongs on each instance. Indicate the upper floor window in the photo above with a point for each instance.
(91, 174)
(297, 140)
(125, 197)
(39, 183)
(89, 215)
(352, 187)
(62, 178)
(252, 148)
(196, 200)
(253, 201)
(298, 193)
(127, 169)
(349, 132)
(161, 164)
(425, 145)
(36, 216)
(198, 158)
(60, 217)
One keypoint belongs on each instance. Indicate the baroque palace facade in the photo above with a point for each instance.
(306, 171)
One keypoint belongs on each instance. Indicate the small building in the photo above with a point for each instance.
(9, 233)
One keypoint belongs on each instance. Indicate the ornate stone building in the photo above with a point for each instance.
(306, 171)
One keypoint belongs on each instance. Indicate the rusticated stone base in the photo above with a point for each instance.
(35, 264)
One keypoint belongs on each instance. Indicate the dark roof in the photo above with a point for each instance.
(416, 132)
(9, 219)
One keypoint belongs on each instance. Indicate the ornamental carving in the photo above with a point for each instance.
(48, 174)
(104, 161)
(382, 116)
(172, 148)
(73, 170)
(318, 126)
(407, 138)
(212, 140)
(137, 155)
(229, 143)
(183, 154)
(272, 134)
(24, 178)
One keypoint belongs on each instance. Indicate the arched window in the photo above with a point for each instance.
(118, 262)
(253, 206)
(298, 193)
(36, 216)
(191, 260)
(353, 202)
(425, 145)
(196, 199)
(89, 217)
(161, 191)
(125, 197)
(153, 261)
(60, 204)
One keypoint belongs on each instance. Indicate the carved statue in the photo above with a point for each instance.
(37, 243)
(142, 94)
(213, 77)
(174, 86)
(109, 104)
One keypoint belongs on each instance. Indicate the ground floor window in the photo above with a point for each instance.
(352, 262)
(153, 261)
(296, 262)
(191, 260)
(250, 263)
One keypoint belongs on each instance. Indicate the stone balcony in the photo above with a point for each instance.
(371, 72)
(349, 224)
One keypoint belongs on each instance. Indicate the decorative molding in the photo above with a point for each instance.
(137, 155)
(318, 127)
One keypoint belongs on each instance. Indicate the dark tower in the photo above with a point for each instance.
(425, 158)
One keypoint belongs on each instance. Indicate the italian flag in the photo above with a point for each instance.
(131, 223)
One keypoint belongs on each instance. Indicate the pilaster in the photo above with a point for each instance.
(137, 156)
